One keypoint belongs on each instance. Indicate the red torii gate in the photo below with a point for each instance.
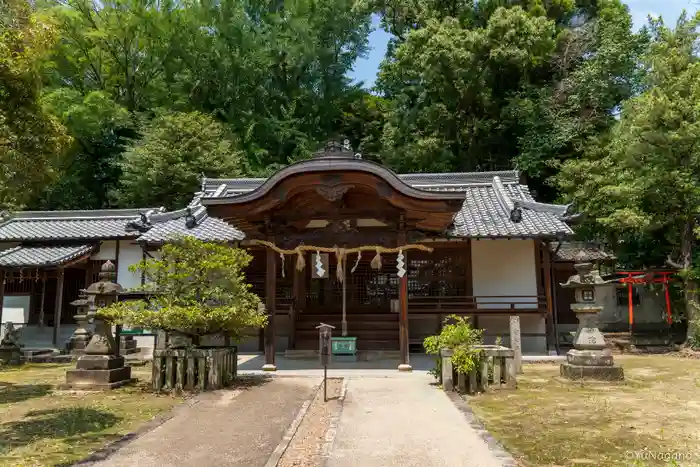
(647, 277)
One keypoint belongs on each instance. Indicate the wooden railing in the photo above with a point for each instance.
(503, 304)
(194, 369)
(496, 370)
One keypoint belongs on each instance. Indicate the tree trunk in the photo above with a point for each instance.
(690, 288)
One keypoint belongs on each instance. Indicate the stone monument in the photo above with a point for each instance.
(99, 367)
(590, 357)
(10, 347)
(82, 335)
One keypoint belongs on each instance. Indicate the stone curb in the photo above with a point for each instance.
(494, 446)
(281, 448)
(332, 431)
(152, 424)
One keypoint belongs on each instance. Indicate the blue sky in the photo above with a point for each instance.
(366, 68)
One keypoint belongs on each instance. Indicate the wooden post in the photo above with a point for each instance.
(547, 260)
(59, 305)
(403, 309)
(296, 288)
(344, 322)
(43, 299)
(2, 292)
(270, 289)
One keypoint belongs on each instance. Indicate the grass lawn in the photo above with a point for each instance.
(41, 425)
(549, 421)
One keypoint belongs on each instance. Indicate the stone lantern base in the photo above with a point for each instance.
(98, 372)
(593, 364)
(10, 355)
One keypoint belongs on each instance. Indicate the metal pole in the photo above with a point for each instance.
(325, 383)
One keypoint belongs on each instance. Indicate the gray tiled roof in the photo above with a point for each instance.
(575, 251)
(489, 199)
(69, 225)
(42, 256)
(165, 226)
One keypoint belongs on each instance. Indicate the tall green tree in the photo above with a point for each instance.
(31, 142)
(643, 179)
(491, 85)
(165, 165)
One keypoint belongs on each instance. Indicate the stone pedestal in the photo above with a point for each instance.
(99, 372)
(10, 355)
(127, 345)
(590, 358)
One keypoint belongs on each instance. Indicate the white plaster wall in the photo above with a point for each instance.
(504, 267)
(15, 309)
(130, 253)
(108, 251)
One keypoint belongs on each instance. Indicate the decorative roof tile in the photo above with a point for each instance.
(69, 225)
(165, 226)
(43, 255)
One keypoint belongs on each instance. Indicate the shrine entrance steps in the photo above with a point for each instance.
(374, 331)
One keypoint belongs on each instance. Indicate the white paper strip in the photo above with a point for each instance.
(400, 264)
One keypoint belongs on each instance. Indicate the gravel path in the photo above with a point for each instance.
(306, 447)
(235, 428)
(405, 422)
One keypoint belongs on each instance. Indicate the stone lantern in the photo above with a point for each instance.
(82, 335)
(99, 367)
(590, 357)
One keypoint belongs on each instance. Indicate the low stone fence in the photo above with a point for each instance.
(194, 369)
(496, 370)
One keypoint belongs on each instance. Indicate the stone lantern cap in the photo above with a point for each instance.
(586, 277)
(106, 285)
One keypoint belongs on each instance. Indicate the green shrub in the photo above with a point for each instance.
(459, 336)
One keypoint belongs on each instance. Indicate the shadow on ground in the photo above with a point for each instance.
(69, 424)
(419, 362)
(11, 393)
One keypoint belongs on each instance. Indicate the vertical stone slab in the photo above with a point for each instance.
(516, 343)
(169, 371)
(180, 372)
(446, 370)
(462, 382)
(511, 374)
(497, 372)
(157, 371)
(202, 370)
(189, 382)
(472, 381)
(484, 373)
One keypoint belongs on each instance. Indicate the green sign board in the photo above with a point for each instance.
(344, 345)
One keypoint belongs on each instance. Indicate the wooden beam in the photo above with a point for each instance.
(549, 323)
(469, 278)
(270, 289)
(116, 262)
(59, 306)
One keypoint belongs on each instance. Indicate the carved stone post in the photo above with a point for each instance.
(100, 368)
(516, 343)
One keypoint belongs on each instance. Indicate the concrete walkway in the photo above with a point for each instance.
(405, 422)
(237, 428)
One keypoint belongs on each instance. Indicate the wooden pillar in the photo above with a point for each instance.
(270, 290)
(298, 292)
(2, 292)
(403, 309)
(60, 275)
(42, 301)
(549, 323)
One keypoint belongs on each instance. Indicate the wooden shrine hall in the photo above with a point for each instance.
(385, 257)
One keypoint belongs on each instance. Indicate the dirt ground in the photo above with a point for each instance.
(650, 419)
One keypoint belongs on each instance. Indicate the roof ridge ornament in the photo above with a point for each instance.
(334, 149)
